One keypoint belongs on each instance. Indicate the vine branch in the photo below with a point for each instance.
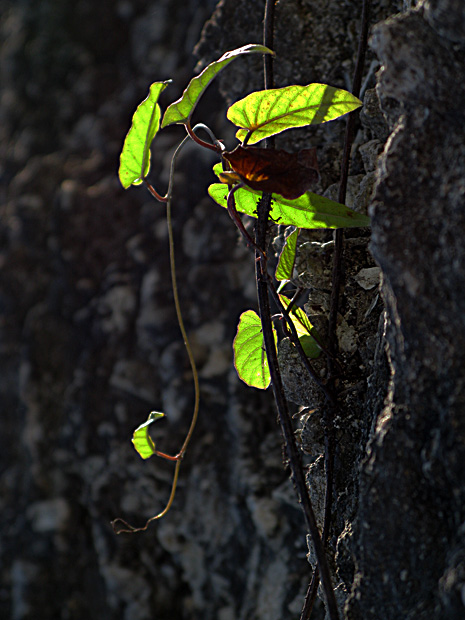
(126, 527)
(334, 303)
(348, 140)
(263, 211)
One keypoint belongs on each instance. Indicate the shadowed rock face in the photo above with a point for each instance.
(409, 549)
(89, 343)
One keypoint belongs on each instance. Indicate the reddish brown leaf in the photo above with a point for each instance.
(275, 172)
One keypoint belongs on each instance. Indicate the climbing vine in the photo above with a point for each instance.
(263, 183)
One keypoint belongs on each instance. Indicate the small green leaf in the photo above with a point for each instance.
(218, 168)
(141, 439)
(309, 211)
(303, 328)
(268, 112)
(180, 111)
(249, 351)
(287, 257)
(135, 156)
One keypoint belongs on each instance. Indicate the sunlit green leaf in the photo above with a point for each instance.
(218, 168)
(303, 328)
(309, 211)
(287, 257)
(135, 156)
(181, 110)
(249, 351)
(268, 112)
(141, 439)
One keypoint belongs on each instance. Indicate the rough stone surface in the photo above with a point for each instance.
(89, 343)
(409, 529)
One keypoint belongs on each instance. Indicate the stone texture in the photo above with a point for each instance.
(408, 535)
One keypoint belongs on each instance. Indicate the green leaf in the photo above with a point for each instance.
(180, 111)
(249, 351)
(303, 328)
(309, 211)
(141, 439)
(135, 156)
(218, 168)
(287, 257)
(268, 112)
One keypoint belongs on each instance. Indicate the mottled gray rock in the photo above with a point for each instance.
(407, 540)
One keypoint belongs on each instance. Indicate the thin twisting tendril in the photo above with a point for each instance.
(127, 527)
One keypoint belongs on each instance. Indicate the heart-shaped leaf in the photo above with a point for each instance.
(275, 171)
(135, 156)
(309, 211)
(268, 112)
(180, 111)
(286, 260)
(249, 351)
(141, 439)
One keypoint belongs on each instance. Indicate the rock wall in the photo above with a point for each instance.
(409, 535)
(89, 342)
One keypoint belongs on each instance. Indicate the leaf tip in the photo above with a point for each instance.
(155, 415)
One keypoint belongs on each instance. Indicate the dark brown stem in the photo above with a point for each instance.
(195, 138)
(348, 140)
(234, 215)
(335, 293)
(268, 41)
(286, 316)
(296, 342)
(263, 212)
(310, 597)
(154, 192)
(167, 456)
(298, 476)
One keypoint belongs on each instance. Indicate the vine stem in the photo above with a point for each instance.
(348, 140)
(263, 211)
(335, 293)
(285, 418)
(216, 146)
(293, 336)
(126, 527)
(182, 328)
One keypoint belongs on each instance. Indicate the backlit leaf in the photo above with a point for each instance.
(286, 260)
(135, 156)
(268, 112)
(275, 171)
(249, 351)
(303, 328)
(181, 110)
(309, 211)
(141, 439)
